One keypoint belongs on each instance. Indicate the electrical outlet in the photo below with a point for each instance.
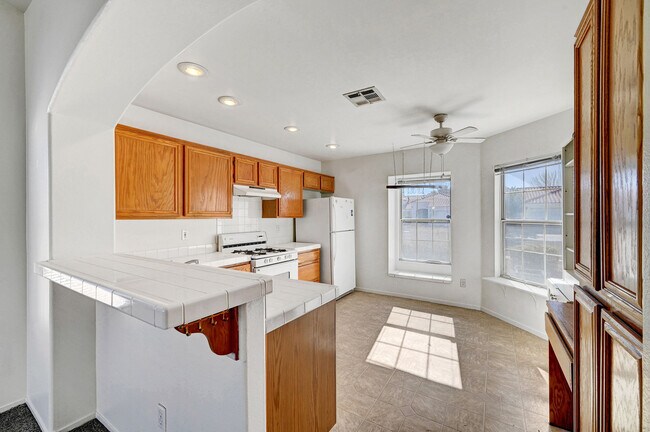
(463, 283)
(162, 418)
(183, 235)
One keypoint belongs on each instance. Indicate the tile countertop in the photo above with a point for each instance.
(292, 299)
(215, 259)
(164, 294)
(299, 247)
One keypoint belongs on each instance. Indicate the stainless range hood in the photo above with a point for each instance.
(255, 191)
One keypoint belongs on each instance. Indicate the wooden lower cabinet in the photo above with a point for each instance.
(309, 266)
(301, 373)
(246, 267)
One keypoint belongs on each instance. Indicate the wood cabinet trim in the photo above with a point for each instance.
(562, 353)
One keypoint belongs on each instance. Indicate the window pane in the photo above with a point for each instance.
(425, 251)
(533, 238)
(553, 267)
(535, 177)
(513, 181)
(513, 265)
(554, 239)
(514, 205)
(408, 231)
(554, 175)
(441, 252)
(425, 231)
(513, 237)
(441, 231)
(534, 268)
(409, 249)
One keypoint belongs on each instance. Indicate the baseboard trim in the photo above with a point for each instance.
(105, 422)
(411, 297)
(36, 415)
(77, 423)
(11, 405)
(515, 323)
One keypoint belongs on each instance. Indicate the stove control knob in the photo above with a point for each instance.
(278, 258)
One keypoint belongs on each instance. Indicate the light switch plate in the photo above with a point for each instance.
(463, 283)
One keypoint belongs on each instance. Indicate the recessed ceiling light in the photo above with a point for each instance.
(291, 129)
(228, 101)
(332, 146)
(192, 69)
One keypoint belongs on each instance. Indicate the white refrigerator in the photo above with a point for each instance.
(330, 222)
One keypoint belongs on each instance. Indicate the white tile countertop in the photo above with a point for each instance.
(292, 299)
(215, 259)
(164, 294)
(299, 247)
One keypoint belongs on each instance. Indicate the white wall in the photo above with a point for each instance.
(12, 217)
(541, 138)
(364, 179)
(140, 235)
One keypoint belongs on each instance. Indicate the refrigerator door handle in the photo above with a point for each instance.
(333, 256)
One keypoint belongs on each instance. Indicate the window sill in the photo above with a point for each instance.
(531, 289)
(421, 276)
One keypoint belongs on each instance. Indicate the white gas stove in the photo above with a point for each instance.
(264, 259)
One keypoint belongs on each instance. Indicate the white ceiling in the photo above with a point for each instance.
(493, 64)
(21, 5)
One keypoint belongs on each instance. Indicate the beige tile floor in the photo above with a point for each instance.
(406, 365)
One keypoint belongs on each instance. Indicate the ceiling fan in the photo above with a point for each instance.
(442, 139)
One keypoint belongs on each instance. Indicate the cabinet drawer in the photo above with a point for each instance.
(564, 357)
(309, 272)
(309, 257)
(246, 267)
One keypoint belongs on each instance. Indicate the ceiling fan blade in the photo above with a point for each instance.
(415, 145)
(469, 140)
(464, 131)
(426, 137)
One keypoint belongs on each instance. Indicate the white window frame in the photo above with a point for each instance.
(434, 271)
(501, 221)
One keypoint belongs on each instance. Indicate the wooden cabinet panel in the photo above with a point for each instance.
(148, 175)
(301, 373)
(326, 183)
(622, 148)
(246, 267)
(586, 148)
(311, 181)
(267, 175)
(586, 353)
(622, 383)
(208, 182)
(245, 171)
(309, 272)
(309, 257)
(290, 187)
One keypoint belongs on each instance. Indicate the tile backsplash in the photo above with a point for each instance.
(162, 238)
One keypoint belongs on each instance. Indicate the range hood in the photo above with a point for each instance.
(255, 191)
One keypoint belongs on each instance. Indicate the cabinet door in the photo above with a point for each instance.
(245, 171)
(621, 395)
(586, 148)
(311, 181)
(148, 175)
(208, 183)
(622, 148)
(326, 183)
(267, 175)
(586, 356)
(290, 187)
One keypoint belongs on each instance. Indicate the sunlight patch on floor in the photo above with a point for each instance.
(410, 341)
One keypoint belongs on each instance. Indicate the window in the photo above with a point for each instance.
(531, 221)
(420, 227)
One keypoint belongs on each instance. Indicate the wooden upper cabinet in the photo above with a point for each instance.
(622, 376)
(311, 181)
(586, 148)
(290, 187)
(622, 134)
(326, 183)
(245, 171)
(267, 175)
(208, 182)
(148, 175)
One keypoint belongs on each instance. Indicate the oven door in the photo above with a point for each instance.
(287, 269)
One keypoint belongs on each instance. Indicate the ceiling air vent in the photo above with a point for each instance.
(364, 96)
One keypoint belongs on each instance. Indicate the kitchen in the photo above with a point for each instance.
(236, 170)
